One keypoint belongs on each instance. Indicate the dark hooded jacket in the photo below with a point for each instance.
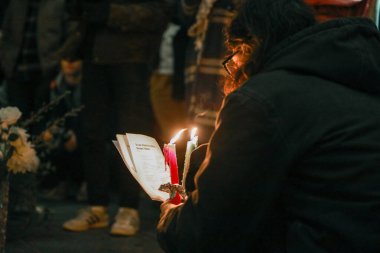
(294, 163)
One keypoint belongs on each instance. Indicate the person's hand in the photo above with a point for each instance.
(69, 67)
(96, 13)
(71, 143)
(166, 207)
(47, 136)
(167, 213)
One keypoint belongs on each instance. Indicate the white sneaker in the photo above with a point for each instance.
(91, 217)
(127, 222)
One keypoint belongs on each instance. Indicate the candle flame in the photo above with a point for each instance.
(176, 137)
(193, 132)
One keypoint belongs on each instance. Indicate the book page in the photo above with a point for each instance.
(149, 164)
(125, 152)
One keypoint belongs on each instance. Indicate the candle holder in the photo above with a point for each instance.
(173, 189)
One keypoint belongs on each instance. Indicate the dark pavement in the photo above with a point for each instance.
(49, 237)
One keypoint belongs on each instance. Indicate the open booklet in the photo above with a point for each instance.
(144, 159)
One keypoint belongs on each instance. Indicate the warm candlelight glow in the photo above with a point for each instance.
(176, 137)
(190, 146)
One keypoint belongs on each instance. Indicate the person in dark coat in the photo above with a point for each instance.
(32, 34)
(293, 165)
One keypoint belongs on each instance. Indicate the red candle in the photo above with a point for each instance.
(171, 160)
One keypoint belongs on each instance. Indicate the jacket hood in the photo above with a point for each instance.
(346, 51)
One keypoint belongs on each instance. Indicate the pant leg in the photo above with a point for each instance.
(133, 113)
(95, 97)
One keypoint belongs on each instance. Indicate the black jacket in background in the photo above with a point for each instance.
(294, 163)
(53, 29)
(130, 32)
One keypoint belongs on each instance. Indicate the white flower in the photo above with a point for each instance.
(10, 115)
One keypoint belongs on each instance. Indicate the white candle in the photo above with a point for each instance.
(190, 146)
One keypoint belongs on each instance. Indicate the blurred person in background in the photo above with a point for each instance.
(3, 98)
(206, 21)
(63, 152)
(167, 84)
(168, 108)
(118, 41)
(33, 32)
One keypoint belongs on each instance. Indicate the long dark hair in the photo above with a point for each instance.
(258, 27)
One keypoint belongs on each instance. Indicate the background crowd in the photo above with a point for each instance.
(141, 66)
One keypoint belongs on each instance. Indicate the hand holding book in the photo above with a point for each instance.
(157, 173)
(143, 157)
